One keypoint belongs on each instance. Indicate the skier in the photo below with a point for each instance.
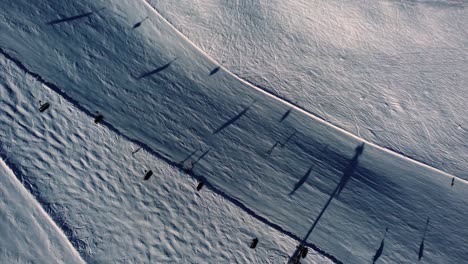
(254, 243)
(43, 107)
(98, 118)
(148, 174)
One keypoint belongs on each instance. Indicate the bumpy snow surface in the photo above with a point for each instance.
(271, 170)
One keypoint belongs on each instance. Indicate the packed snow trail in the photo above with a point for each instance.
(235, 136)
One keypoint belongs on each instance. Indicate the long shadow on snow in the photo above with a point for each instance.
(69, 19)
(421, 246)
(157, 70)
(137, 25)
(379, 251)
(60, 221)
(286, 115)
(347, 173)
(232, 120)
(301, 181)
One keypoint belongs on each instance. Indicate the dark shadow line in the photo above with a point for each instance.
(421, 246)
(139, 23)
(188, 157)
(157, 70)
(289, 138)
(232, 120)
(286, 115)
(135, 151)
(201, 157)
(379, 251)
(344, 179)
(68, 19)
(302, 180)
(272, 148)
(160, 155)
(349, 170)
(215, 70)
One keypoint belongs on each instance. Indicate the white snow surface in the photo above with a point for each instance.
(255, 152)
(27, 233)
(392, 72)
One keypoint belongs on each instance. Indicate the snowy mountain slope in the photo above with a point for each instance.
(27, 233)
(286, 166)
(392, 72)
(92, 185)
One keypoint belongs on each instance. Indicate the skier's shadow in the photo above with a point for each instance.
(157, 70)
(379, 251)
(347, 173)
(69, 19)
(301, 181)
(421, 246)
(232, 120)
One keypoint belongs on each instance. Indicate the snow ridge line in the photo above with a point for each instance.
(18, 177)
(299, 108)
(58, 219)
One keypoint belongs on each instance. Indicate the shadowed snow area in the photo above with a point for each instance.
(392, 72)
(27, 233)
(267, 165)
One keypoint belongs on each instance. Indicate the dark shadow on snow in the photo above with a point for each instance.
(379, 251)
(139, 23)
(272, 148)
(348, 171)
(302, 180)
(215, 70)
(72, 18)
(201, 157)
(232, 120)
(286, 115)
(421, 247)
(157, 70)
(281, 144)
(135, 151)
(289, 138)
(188, 157)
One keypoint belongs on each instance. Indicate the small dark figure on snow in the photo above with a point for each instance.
(98, 118)
(453, 181)
(148, 174)
(200, 185)
(254, 243)
(44, 106)
(304, 252)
